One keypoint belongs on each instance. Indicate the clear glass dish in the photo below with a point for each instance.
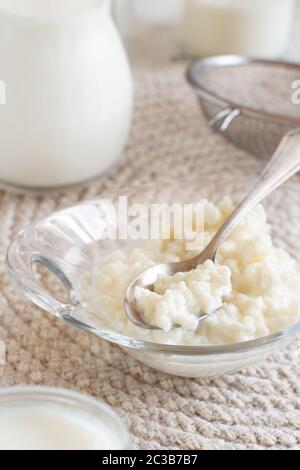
(68, 242)
(22, 397)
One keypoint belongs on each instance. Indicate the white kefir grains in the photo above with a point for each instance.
(256, 285)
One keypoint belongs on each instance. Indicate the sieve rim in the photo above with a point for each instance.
(197, 67)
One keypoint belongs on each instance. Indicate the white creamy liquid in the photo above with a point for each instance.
(68, 91)
(253, 27)
(52, 427)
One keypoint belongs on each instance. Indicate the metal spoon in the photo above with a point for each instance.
(284, 164)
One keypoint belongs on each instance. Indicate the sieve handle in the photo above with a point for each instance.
(224, 119)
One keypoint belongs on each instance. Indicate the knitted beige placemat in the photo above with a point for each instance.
(257, 408)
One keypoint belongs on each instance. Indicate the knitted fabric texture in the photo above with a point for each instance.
(257, 408)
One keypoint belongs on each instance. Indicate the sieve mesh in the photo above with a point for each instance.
(249, 101)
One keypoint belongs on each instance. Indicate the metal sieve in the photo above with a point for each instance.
(257, 131)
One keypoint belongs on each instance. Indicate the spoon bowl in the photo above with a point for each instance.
(147, 281)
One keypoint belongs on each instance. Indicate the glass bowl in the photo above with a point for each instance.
(60, 400)
(68, 242)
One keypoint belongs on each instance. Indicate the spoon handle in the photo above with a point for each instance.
(284, 164)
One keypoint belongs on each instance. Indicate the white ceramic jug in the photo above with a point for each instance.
(66, 92)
